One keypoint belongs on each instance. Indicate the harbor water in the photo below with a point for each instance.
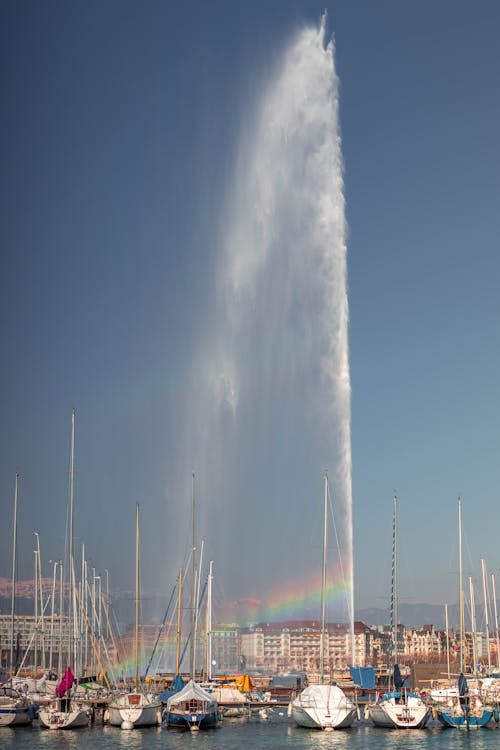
(275, 733)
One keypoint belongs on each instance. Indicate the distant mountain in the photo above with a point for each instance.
(24, 589)
(153, 607)
(25, 592)
(122, 602)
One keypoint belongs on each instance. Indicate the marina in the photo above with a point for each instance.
(194, 706)
(198, 700)
(186, 558)
(93, 697)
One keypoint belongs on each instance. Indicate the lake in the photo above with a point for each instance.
(279, 732)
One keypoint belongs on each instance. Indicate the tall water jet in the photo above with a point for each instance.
(271, 407)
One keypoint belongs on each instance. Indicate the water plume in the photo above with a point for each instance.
(271, 406)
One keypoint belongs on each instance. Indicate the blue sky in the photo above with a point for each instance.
(119, 132)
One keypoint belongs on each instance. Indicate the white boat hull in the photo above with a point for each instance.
(12, 717)
(143, 713)
(411, 713)
(322, 719)
(14, 709)
(54, 719)
(323, 707)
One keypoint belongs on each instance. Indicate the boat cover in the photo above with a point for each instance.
(177, 685)
(241, 681)
(398, 679)
(325, 696)
(364, 677)
(191, 692)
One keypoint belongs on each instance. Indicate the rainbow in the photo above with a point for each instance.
(298, 600)
(125, 666)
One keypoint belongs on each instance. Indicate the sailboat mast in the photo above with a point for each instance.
(61, 610)
(460, 587)
(82, 600)
(72, 624)
(197, 604)
(447, 639)
(179, 625)
(495, 611)
(394, 600)
(323, 583)
(209, 621)
(99, 617)
(13, 592)
(486, 607)
(193, 584)
(473, 623)
(107, 602)
(35, 670)
(52, 610)
(40, 594)
(136, 596)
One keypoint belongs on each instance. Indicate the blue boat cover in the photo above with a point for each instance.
(398, 679)
(177, 685)
(463, 688)
(364, 677)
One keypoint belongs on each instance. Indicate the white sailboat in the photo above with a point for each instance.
(15, 709)
(135, 709)
(464, 709)
(192, 708)
(65, 711)
(13, 591)
(323, 706)
(398, 708)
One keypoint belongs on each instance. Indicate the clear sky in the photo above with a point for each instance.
(119, 132)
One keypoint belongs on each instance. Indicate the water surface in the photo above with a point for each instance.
(253, 734)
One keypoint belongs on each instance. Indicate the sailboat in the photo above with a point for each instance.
(323, 706)
(135, 709)
(462, 710)
(15, 709)
(398, 708)
(192, 707)
(64, 711)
